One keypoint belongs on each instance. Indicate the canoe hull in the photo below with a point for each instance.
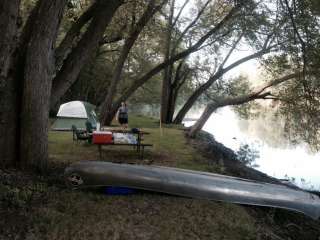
(192, 184)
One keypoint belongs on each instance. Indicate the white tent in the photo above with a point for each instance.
(75, 113)
(75, 109)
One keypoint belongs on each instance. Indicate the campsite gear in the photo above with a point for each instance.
(75, 113)
(89, 127)
(102, 137)
(138, 146)
(80, 135)
(135, 130)
(193, 184)
(119, 191)
(124, 138)
(98, 126)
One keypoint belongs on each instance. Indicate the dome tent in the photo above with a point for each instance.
(75, 113)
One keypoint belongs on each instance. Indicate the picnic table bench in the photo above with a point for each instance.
(139, 145)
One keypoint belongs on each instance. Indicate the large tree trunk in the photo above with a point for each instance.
(167, 76)
(83, 52)
(171, 105)
(38, 74)
(181, 75)
(9, 12)
(108, 116)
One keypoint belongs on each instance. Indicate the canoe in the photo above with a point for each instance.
(194, 184)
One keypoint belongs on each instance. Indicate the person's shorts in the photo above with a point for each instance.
(123, 120)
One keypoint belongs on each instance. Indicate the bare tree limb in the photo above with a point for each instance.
(231, 51)
(191, 24)
(179, 14)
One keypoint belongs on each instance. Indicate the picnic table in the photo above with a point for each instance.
(138, 145)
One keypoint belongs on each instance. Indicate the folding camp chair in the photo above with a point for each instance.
(79, 135)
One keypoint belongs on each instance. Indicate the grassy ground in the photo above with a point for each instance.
(34, 207)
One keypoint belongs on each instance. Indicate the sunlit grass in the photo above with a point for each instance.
(170, 147)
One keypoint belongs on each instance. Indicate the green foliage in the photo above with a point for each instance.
(233, 87)
(315, 6)
(300, 107)
(248, 110)
(247, 155)
(298, 99)
(277, 64)
(237, 86)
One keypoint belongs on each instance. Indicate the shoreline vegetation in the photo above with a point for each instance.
(41, 207)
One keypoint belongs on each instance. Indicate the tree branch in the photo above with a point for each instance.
(140, 81)
(191, 24)
(258, 93)
(230, 51)
(179, 14)
(66, 44)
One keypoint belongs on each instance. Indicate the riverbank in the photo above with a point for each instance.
(40, 207)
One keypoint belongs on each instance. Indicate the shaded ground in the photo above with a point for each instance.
(34, 207)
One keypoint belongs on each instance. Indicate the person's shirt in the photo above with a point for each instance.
(123, 112)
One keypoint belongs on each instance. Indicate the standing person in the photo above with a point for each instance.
(122, 115)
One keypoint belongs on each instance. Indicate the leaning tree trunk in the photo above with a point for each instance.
(201, 121)
(185, 109)
(38, 74)
(9, 11)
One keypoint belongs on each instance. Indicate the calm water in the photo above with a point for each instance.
(277, 157)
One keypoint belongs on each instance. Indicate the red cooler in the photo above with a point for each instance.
(100, 137)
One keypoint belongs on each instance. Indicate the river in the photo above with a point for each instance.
(277, 157)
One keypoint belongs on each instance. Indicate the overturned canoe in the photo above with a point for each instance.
(192, 184)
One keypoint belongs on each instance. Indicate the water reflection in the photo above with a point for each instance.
(277, 157)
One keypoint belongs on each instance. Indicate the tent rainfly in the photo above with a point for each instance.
(75, 113)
